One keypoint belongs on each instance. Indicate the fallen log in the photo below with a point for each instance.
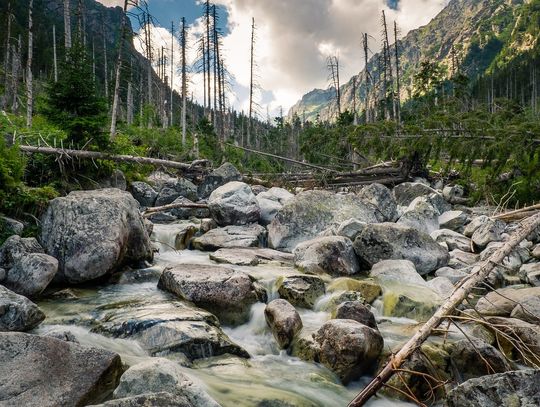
(164, 208)
(518, 213)
(97, 155)
(460, 293)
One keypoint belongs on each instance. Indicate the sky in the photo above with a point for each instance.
(293, 40)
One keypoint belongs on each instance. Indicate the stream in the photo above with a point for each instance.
(269, 378)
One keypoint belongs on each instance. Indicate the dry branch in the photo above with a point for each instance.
(164, 208)
(460, 293)
(518, 213)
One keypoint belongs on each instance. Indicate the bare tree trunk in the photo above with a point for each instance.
(55, 61)
(398, 84)
(367, 79)
(388, 65)
(183, 41)
(208, 57)
(6, 58)
(171, 111)
(460, 293)
(67, 25)
(252, 59)
(116, 97)
(129, 107)
(29, 79)
(15, 69)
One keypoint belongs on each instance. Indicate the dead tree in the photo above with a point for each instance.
(55, 60)
(332, 64)
(67, 25)
(171, 111)
(208, 56)
(388, 66)
(105, 70)
(6, 57)
(215, 63)
(29, 78)
(183, 43)
(16, 65)
(398, 84)
(367, 78)
(116, 97)
(251, 82)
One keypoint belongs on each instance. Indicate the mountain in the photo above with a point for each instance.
(481, 36)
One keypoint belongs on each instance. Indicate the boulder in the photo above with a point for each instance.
(234, 204)
(283, 320)
(161, 399)
(405, 293)
(15, 248)
(175, 188)
(442, 286)
(144, 194)
(31, 274)
(392, 241)
(423, 217)
(251, 256)
(367, 288)
(516, 388)
(455, 276)
(528, 310)
(350, 228)
(405, 192)
(356, 311)
(475, 224)
(530, 274)
(231, 236)
(220, 176)
(501, 302)
(381, 197)
(333, 255)
(47, 372)
(453, 220)
(310, 213)
(11, 226)
(348, 348)
(301, 290)
(337, 298)
(454, 194)
(227, 293)
(490, 231)
(462, 260)
(452, 240)
(162, 375)
(166, 327)
(271, 201)
(94, 233)
(17, 313)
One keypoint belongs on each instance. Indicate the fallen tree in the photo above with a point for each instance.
(164, 208)
(460, 293)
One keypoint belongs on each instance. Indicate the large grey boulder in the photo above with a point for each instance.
(331, 254)
(271, 202)
(18, 313)
(422, 217)
(350, 228)
(452, 240)
(406, 192)
(15, 248)
(510, 389)
(386, 241)
(227, 293)
(31, 274)
(301, 290)
(38, 371)
(283, 320)
(234, 204)
(220, 176)
(356, 311)
(348, 348)
(251, 256)
(310, 213)
(174, 188)
(381, 197)
(93, 233)
(162, 375)
(143, 193)
(490, 231)
(231, 236)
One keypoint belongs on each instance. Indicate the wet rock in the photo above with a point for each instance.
(528, 310)
(406, 192)
(490, 231)
(453, 240)
(501, 302)
(231, 236)
(367, 288)
(182, 232)
(309, 213)
(161, 399)
(350, 228)
(405, 293)
(227, 293)
(356, 311)
(271, 201)
(251, 256)
(530, 274)
(162, 375)
(15, 248)
(17, 313)
(391, 241)
(93, 233)
(305, 347)
(31, 274)
(220, 176)
(381, 197)
(144, 194)
(455, 276)
(516, 388)
(333, 255)
(175, 188)
(40, 371)
(11, 225)
(453, 220)
(164, 327)
(348, 348)
(283, 320)
(423, 217)
(301, 290)
(234, 204)
(339, 298)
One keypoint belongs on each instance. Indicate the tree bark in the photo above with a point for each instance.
(29, 78)
(184, 81)
(67, 25)
(460, 293)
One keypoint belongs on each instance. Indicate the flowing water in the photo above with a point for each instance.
(268, 376)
